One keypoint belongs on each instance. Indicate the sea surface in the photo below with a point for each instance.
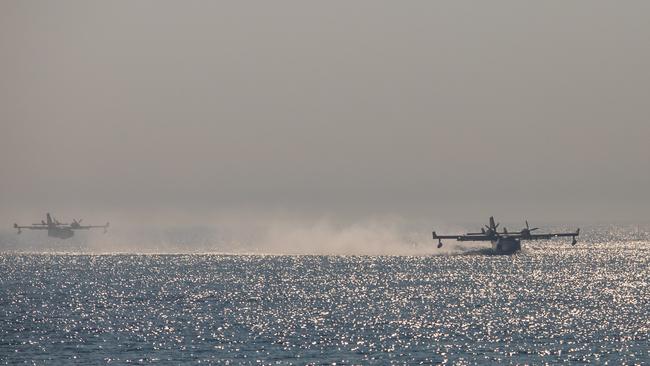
(551, 303)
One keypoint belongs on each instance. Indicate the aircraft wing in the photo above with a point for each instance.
(473, 237)
(86, 227)
(31, 227)
(528, 236)
(552, 235)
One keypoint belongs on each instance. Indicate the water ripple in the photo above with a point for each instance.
(589, 303)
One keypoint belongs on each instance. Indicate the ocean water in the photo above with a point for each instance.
(551, 303)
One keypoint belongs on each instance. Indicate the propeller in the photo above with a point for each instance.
(492, 228)
(528, 227)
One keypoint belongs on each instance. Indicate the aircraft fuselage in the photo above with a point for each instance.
(60, 232)
(506, 245)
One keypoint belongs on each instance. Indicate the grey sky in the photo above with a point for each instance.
(447, 109)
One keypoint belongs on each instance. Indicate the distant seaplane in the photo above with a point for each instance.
(505, 242)
(58, 230)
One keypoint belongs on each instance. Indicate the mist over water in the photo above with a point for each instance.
(281, 234)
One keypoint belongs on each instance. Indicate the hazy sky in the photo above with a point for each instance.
(446, 109)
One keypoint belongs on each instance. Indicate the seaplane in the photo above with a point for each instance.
(505, 242)
(59, 230)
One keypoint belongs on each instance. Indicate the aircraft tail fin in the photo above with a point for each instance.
(49, 219)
